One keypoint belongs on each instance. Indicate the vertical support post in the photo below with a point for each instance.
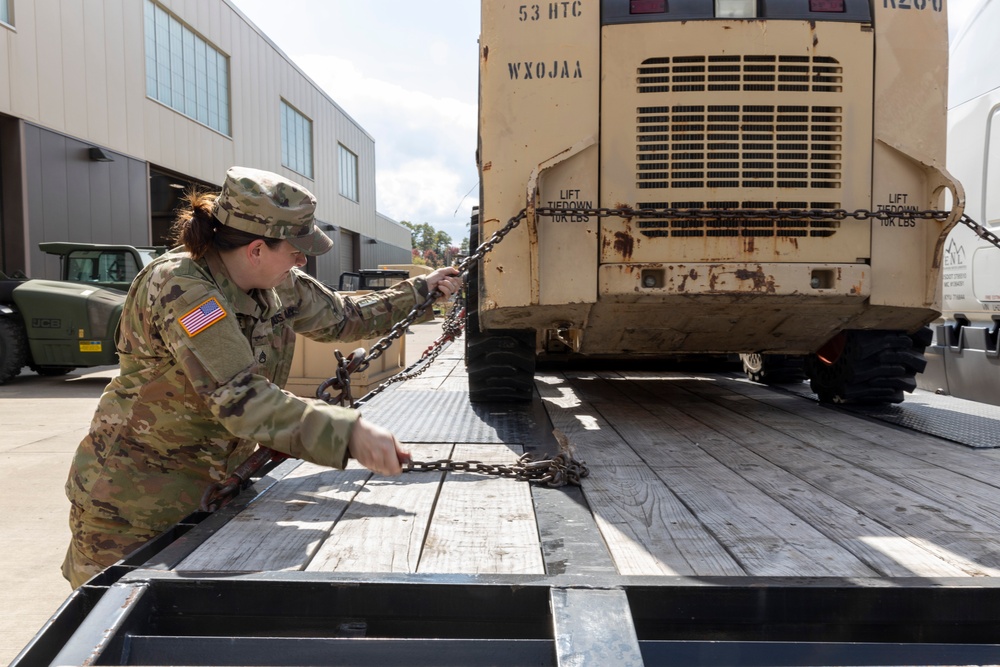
(594, 628)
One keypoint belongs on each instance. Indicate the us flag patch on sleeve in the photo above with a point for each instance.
(202, 317)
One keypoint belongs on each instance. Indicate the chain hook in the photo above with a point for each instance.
(217, 494)
(341, 381)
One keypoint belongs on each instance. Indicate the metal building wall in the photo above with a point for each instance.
(391, 245)
(77, 68)
(73, 198)
(375, 254)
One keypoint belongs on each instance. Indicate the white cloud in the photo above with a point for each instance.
(406, 72)
(423, 187)
(425, 145)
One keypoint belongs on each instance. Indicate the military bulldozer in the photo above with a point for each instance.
(667, 179)
(55, 326)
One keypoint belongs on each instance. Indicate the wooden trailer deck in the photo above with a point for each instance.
(691, 475)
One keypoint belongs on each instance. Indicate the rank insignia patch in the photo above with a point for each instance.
(202, 317)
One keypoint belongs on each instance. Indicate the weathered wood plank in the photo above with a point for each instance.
(592, 438)
(647, 528)
(421, 383)
(943, 454)
(960, 540)
(650, 532)
(880, 548)
(483, 524)
(763, 535)
(965, 496)
(383, 529)
(284, 528)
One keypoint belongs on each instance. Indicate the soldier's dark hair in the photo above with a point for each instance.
(197, 229)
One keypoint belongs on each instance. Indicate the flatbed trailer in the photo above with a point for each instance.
(722, 523)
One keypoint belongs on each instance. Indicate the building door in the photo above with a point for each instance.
(348, 251)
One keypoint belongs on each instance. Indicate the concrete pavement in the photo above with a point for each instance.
(42, 419)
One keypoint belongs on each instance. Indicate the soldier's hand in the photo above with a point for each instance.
(376, 449)
(446, 280)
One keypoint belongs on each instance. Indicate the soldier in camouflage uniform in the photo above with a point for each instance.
(205, 345)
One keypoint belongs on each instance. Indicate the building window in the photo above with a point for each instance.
(296, 141)
(5, 12)
(348, 173)
(184, 72)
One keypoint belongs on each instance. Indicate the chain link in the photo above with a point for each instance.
(980, 231)
(556, 471)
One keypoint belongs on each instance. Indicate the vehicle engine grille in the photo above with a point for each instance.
(702, 145)
(679, 74)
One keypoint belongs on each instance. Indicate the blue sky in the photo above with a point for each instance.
(406, 71)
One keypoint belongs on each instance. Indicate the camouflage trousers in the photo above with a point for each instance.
(98, 543)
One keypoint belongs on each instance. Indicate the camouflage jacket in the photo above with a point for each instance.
(202, 366)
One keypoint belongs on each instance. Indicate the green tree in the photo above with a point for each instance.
(442, 242)
(426, 239)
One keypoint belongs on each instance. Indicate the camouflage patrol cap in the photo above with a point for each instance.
(270, 205)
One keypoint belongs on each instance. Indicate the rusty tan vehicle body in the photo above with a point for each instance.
(592, 105)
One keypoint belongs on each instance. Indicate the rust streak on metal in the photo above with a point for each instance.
(624, 244)
(692, 275)
(761, 282)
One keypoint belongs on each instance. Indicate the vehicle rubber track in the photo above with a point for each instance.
(871, 367)
(13, 347)
(501, 364)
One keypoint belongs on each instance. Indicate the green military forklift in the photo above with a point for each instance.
(56, 326)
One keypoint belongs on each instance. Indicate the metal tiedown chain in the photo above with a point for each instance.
(980, 231)
(555, 471)
(560, 470)
(219, 493)
(745, 214)
(838, 214)
(453, 328)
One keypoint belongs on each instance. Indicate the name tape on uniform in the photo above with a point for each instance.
(203, 316)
